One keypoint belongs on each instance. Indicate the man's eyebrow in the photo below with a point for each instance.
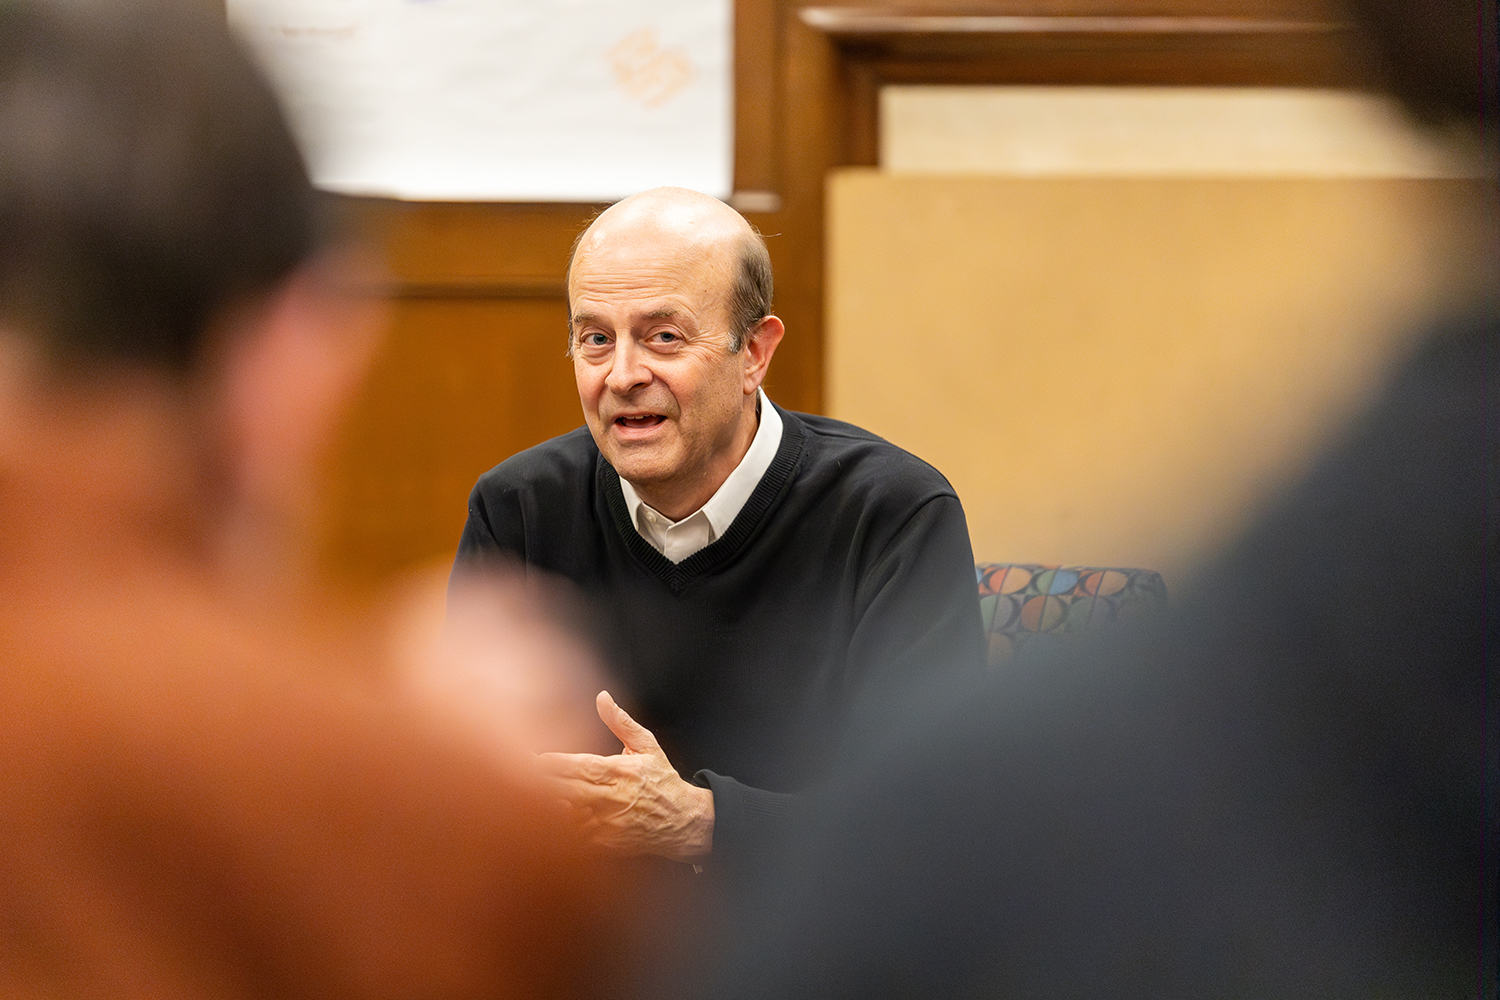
(585, 318)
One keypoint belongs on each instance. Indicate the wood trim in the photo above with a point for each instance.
(757, 57)
(846, 23)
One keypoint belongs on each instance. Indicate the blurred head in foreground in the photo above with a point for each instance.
(161, 249)
(139, 204)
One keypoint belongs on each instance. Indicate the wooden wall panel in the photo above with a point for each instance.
(461, 384)
(472, 370)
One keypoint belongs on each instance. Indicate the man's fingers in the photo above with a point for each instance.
(567, 765)
(584, 767)
(636, 737)
(578, 791)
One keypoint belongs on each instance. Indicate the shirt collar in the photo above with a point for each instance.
(730, 498)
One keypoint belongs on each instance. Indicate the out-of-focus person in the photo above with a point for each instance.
(216, 779)
(1286, 789)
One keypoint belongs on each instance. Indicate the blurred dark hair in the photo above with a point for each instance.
(1440, 56)
(148, 179)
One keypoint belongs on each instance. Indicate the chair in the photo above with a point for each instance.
(1025, 604)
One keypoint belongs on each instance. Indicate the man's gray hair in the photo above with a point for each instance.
(750, 299)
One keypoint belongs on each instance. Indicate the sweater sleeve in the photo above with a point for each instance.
(920, 606)
(746, 820)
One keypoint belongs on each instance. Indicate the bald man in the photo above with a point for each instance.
(756, 570)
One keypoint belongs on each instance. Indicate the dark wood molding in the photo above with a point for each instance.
(855, 23)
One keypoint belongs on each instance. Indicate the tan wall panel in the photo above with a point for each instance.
(1117, 371)
(459, 385)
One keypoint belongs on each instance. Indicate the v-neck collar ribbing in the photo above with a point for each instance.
(677, 576)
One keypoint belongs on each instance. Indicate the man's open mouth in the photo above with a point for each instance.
(640, 422)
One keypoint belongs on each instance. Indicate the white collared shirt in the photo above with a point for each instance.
(679, 539)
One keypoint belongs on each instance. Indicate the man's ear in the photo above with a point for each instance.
(760, 344)
(288, 368)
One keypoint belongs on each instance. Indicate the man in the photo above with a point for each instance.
(1287, 789)
(215, 780)
(757, 569)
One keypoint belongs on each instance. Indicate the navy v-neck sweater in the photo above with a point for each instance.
(848, 570)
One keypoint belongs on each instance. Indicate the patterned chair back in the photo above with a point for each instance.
(1026, 604)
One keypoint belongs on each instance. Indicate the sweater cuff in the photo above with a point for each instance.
(745, 818)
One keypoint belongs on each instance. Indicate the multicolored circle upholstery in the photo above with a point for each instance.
(1023, 602)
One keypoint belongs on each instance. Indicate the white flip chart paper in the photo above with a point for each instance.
(506, 100)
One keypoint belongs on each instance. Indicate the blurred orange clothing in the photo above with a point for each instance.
(199, 799)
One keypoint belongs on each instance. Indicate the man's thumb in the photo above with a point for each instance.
(636, 737)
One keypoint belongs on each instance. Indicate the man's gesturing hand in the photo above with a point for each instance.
(635, 801)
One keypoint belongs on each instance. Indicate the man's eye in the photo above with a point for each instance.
(595, 340)
(666, 336)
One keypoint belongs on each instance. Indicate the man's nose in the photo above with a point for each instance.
(627, 369)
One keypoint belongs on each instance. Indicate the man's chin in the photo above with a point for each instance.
(641, 464)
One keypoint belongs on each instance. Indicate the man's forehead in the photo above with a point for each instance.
(648, 247)
(668, 226)
(649, 281)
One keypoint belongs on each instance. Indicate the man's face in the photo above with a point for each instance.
(664, 398)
